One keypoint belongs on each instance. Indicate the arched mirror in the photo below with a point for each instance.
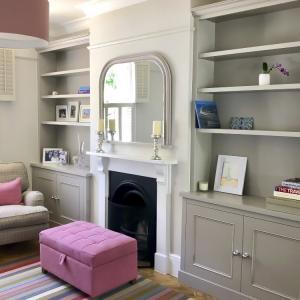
(135, 91)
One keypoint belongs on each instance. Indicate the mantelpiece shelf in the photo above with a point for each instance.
(66, 96)
(290, 134)
(66, 73)
(264, 50)
(56, 123)
(251, 88)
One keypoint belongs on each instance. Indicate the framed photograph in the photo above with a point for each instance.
(73, 111)
(230, 174)
(51, 155)
(85, 114)
(63, 157)
(61, 113)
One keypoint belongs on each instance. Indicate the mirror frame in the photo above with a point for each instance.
(164, 67)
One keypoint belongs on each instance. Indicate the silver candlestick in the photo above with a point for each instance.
(99, 148)
(156, 139)
(112, 133)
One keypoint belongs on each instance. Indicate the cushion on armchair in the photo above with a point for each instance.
(11, 192)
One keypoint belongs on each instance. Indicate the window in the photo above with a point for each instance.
(7, 75)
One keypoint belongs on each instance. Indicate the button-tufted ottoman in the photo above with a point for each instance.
(91, 258)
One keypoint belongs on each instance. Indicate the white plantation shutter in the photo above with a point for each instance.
(142, 76)
(7, 75)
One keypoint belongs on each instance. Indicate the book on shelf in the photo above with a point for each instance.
(286, 195)
(288, 190)
(206, 114)
(284, 202)
(84, 90)
(292, 183)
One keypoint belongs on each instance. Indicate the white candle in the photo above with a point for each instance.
(203, 186)
(112, 125)
(156, 128)
(101, 125)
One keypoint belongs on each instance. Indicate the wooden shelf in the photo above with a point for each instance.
(290, 134)
(66, 73)
(66, 96)
(264, 50)
(56, 123)
(252, 88)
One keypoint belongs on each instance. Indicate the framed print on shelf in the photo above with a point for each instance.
(230, 174)
(61, 113)
(73, 111)
(51, 155)
(85, 114)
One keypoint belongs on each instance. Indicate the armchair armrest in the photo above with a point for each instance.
(33, 198)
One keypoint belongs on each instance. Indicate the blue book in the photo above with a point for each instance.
(206, 114)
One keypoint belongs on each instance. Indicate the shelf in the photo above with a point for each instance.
(232, 9)
(66, 73)
(264, 50)
(66, 96)
(252, 88)
(290, 134)
(55, 123)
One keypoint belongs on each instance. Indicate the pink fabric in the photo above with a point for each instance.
(11, 192)
(91, 258)
(88, 243)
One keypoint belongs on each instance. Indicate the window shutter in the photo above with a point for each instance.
(7, 75)
(142, 75)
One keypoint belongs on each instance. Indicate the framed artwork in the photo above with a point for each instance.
(63, 157)
(61, 113)
(73, 111)
(85, 114)
(51, 155)
(230, 174)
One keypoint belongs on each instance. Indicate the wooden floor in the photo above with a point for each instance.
(11, 252)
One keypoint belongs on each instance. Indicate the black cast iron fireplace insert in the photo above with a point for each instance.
(132, 211)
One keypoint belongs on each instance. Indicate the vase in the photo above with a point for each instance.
(264, 79)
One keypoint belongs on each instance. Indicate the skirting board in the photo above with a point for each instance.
(211, 288)
(167, 265)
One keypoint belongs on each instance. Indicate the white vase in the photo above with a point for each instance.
(264, 79)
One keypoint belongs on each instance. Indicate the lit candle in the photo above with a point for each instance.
(112, 125)
(101, 125)
(156, 130)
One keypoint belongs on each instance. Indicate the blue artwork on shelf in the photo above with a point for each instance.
(206, 114)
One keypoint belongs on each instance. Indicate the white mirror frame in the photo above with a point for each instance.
(163, 65)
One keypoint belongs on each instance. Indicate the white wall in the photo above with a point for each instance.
(19, 119)
(151, 26)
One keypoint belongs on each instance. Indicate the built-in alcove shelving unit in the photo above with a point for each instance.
(232, 39)
(63, 67)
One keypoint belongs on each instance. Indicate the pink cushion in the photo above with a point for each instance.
(11, 192)
(88, 243)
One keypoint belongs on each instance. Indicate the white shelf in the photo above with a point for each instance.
(251, 88)
(273, 49)
(230, 9)
(55, 123)
(66, 73)
(66, 96)
(290, 134)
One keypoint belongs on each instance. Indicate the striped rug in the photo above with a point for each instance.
(23, 279)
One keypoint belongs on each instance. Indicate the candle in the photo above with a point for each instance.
(112, 124)
(203, 186)
(156, 130)
(101, 125)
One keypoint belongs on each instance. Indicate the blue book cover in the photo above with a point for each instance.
(206, 114)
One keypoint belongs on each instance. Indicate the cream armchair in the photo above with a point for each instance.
(21, 222)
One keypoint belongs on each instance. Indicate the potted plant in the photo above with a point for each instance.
(264, 77)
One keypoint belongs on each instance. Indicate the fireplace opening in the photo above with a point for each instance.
(132, 211)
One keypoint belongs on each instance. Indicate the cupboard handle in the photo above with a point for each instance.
(236, 253)
(246, 255)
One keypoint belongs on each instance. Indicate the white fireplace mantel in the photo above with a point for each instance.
(159, 169)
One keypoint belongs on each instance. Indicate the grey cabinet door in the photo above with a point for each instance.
(212, 236)
(45, 182)
(272, 271)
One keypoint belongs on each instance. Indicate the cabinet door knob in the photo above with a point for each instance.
(236, 253)
(246, 255)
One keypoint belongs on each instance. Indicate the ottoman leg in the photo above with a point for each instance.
(44, 271)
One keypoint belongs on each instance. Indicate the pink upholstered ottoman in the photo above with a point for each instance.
(91, 258)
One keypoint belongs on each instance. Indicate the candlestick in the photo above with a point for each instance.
(156, 128)
(156, 139)
(101, 125)
(112, 125)
(99, 148)
(112, 133)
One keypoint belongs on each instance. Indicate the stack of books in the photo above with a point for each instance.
(84, 90)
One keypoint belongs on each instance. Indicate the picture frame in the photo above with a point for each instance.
(61, 113)
(85, 114)
(73, 111)
(230, 174)
(63, 157)
(51, 155)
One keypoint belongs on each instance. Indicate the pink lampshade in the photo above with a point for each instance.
(24, 23)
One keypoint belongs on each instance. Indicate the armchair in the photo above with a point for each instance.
(21, 222)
